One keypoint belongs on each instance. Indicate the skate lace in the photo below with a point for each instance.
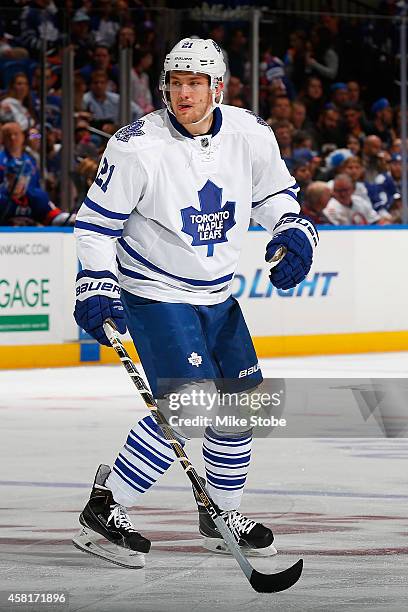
(237, 522)
(120, 518)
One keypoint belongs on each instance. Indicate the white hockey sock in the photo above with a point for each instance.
(142, 460)
(227, 459)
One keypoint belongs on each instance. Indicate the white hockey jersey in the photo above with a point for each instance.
(360, 212)
(168, 212)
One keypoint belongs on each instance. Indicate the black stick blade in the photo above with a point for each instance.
(272, 583)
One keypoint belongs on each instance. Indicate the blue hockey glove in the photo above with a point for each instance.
(98, 298)
(300, 237)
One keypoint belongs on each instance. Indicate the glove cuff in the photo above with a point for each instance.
(294, 221)
(90, 283)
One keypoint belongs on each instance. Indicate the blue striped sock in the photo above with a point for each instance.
(226, 461)
(142, 460)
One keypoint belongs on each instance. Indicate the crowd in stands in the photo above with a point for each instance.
(338, 133)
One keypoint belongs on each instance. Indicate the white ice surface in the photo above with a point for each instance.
(341, 504)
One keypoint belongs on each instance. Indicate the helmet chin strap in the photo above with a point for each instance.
(212, 107)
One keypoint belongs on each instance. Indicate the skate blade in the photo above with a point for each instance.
(87, 541)
(219, 546)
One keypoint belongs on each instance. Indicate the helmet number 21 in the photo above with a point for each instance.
(102, 180)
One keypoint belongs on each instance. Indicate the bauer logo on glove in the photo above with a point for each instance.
(299, 236)
(98, 299)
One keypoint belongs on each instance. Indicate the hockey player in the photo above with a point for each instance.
(159, 235)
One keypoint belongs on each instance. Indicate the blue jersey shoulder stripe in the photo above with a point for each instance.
(110, 214)
(190, 281)
(287, 191)
(92, 227)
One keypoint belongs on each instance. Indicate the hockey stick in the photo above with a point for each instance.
(262, 583)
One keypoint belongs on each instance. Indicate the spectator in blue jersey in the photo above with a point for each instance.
(22, 201)
(384, 190)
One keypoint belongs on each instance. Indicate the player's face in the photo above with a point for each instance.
(190, 96)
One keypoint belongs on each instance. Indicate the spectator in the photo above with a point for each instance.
(101, 60)
(344, 208)
(82, 39)
(237, 54)
(39, 22)
(317, 196)
(381, 125)
(53, 104)
(371, 157)
(353, 92)
(339, 95)
(353, 167)
(313, 98)
(301, 171)
(105, 28)
(140, 84)
(299, 118)
(353, 120)
(102, 104)
(236, 90)
(384, 189)
(353, 145)
(329, 130)
(321, 58)
(278, 84)
(22, 201)
(280, 109)
(295, 58)
(283, 131)
(396, 170)
(16, 105)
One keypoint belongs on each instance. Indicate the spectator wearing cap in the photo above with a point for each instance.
(102, 60)
(278, 83)
(344, 208)
(82, 39)
(316, 198)
(333, 162)
(39, 23)
(381, 125)
(329, 129)
(16, 105)
(396, 170)
(313, 98)
(339, 95)
(103, 105)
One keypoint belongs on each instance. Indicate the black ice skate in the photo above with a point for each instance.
(102, 516)
(254, 539)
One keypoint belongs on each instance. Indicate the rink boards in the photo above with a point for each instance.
(353, 300)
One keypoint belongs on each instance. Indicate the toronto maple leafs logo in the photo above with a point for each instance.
(210, 224)
(195, 359)
(259, 119)
(134, 129)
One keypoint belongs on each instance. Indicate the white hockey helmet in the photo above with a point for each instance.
(198, 55)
